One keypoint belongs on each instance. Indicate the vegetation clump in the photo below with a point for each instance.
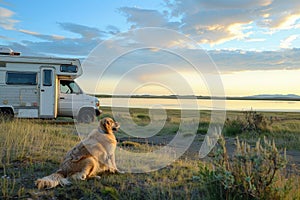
(250, 173)
(250, 121)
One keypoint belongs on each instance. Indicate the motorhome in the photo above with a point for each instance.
(43, 87)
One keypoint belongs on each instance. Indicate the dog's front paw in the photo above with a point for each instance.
(120, 172)
(79, 176)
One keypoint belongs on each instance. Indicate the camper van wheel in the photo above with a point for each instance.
(86, 116)
(6, 114)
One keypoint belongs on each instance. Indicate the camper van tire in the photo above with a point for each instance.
(86, 115)
(6, 114)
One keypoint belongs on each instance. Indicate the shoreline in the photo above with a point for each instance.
(197, 97)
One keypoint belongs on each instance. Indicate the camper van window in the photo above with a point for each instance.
(21, 78)
(69, 87)
(68, 68)
(47, 77)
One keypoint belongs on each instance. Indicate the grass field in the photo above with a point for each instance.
(30, 149)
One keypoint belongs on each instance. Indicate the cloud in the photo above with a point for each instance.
(144, 17)
(288, 22)
(280, 14)
(256, 39)
(88, 38)
(212, 20)
(214, 26)
(84, 31)
(208, 25)
(192, 7)
(229, 61)
(67, 47)
(29, 32)
(6, 20)
(287, 43)
(4, 37)
(218, 21)
(148, 18)
(113, 30)
(24, 50)
(42, 36)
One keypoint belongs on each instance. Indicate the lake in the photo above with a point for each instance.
(203, 104)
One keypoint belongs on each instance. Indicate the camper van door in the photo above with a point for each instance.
(47, 93)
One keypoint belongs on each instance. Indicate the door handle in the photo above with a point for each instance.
(42, 90)
(61, 97)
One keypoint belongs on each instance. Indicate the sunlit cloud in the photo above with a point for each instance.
(218, 21)
(256, 39)
(288, 22)
(29, 32)
(6, 20)
(58, 37)
(287, 43)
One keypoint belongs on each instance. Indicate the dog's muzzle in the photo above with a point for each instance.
(116, 126)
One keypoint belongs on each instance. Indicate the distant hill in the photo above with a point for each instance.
(274, 96)
(283, 97)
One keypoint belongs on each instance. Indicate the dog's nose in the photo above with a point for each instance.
(117, 125)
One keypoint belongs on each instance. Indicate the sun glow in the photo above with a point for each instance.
(262, 82)
(243, 83)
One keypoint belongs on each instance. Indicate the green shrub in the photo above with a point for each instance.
(250, 173)
(233, 127)
(256, 121)
(251, 121)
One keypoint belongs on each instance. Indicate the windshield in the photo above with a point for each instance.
(69, 87)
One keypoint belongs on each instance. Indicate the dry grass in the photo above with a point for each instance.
(34, 148)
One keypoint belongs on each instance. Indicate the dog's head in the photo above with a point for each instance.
(108, 125)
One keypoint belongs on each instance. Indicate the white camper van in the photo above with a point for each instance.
(40, 87)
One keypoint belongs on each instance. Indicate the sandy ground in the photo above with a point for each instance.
(293, 156)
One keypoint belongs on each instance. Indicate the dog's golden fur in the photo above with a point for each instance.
(93, 155)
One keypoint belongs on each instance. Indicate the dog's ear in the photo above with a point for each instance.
(108, 124)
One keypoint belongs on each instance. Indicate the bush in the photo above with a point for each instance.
(256, 121)
(233, 127)
(250, 122)
(250, 173)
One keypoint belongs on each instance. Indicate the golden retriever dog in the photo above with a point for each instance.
(93, 155)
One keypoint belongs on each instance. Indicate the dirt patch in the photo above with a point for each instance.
(293, 156)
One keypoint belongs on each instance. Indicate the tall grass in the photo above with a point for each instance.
(31, 149)
(33, 140)
(28, 143)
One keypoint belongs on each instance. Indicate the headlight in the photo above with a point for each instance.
(97, 102)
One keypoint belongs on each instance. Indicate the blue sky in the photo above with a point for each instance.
(254, 43)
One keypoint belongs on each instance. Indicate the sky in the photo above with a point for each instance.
(239, 48)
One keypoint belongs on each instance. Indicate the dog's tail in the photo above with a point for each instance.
(52, 181)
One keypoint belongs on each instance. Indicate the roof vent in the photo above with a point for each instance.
(8, 51)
